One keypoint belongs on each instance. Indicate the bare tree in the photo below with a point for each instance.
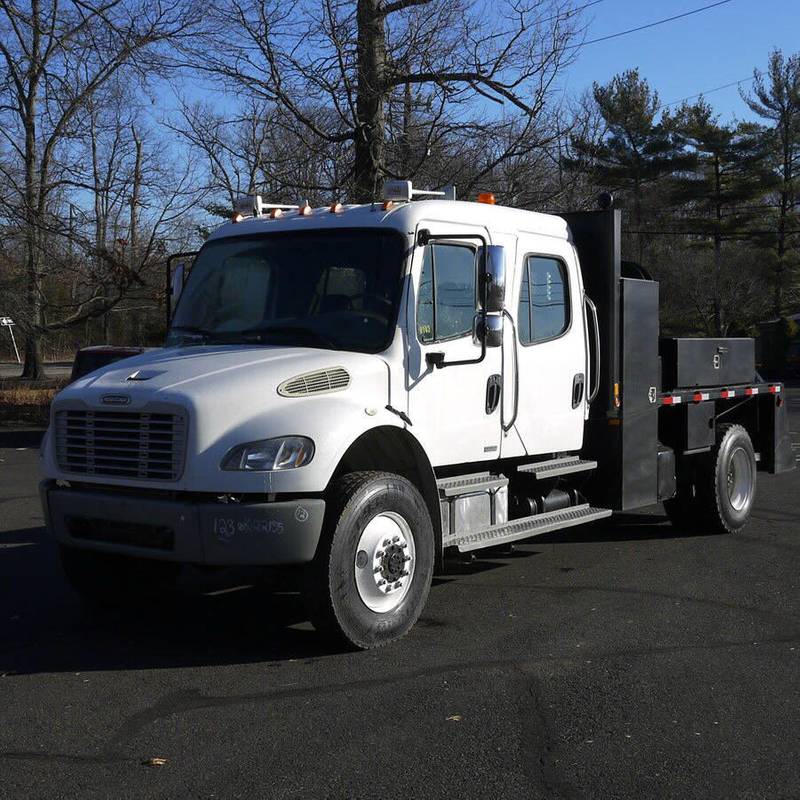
(396, 79)
(57, 58)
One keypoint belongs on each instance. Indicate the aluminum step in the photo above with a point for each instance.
(466, 484)
(558, 466)
(528, 526)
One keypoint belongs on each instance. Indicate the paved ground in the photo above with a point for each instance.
(630, 660)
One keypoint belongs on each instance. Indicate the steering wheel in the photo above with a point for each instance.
(364, 296)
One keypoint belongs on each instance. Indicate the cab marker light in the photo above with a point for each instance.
(336, 208)
(237, 218)
(775, 389)
(276, 213)
(672, 400)
(487, 197)
(387, 204)
(725, 394)
(700, 396)
(305, 210)
(751, 391)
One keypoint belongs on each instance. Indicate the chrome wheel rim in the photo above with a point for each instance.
(384, 562)
(739, 479)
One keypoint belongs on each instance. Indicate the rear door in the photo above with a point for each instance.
(454, 411)
(551, 345)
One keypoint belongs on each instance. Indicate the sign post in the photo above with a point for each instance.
(7, 322)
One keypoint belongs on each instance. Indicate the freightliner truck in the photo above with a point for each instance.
(349, 394)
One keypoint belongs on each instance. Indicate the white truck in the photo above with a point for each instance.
(349, 393)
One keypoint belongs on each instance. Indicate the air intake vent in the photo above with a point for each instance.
(320, 381)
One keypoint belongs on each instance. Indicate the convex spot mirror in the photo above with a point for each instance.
(494, 278)
(488, 328)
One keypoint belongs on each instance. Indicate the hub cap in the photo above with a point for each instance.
(740, 479)
(384, 562)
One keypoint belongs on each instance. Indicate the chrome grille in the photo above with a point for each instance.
(121, 444)
(319, 381)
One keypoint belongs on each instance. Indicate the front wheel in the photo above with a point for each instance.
(372, 572)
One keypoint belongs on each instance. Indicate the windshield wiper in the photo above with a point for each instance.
(192, 330)
(300, 330)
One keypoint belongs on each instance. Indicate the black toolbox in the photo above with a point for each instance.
(687, 363)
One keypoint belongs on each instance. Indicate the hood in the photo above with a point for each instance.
(188, 373)
(224, 396)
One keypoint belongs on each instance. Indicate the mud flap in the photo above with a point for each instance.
(775, 439)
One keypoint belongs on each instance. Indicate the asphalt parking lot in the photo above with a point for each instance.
(622, 660)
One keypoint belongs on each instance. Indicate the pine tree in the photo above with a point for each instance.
(720, 188)
(776, 97)
(634, 152)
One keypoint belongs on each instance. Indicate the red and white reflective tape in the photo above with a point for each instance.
(700, 396)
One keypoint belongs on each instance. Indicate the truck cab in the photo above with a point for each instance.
(354, 391)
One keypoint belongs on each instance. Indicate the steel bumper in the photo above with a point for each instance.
(184, 530)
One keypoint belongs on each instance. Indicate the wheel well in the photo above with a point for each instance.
(395, 450)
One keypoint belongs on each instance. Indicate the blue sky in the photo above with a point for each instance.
(689, 55)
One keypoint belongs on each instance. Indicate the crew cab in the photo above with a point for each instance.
(353, 392)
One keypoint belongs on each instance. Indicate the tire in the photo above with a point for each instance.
(110, 581)
(717, 492)
(727, 486)
(377, 528)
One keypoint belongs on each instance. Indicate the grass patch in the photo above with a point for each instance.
(27, 401)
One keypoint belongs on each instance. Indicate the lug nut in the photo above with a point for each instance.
(404, 573)
(379, 554)
(386, 542)
(395, 538)
(381, 582)
(398, 585)
(376, 570)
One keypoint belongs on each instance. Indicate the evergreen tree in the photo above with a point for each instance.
(776, 97)
(720, 188)
(634, 152)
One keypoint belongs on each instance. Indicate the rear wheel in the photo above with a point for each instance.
(719, 490)
(372, 573)
(107, 580)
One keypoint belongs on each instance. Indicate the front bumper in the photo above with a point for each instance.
(184, 530)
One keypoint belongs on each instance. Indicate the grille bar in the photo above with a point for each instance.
(121, 444)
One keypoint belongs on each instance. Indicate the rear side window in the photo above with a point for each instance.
(544, 300)
(447, 292)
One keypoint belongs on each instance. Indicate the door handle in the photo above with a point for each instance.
(577, 389)
(493, 392)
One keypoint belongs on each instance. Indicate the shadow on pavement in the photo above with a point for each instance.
(20, 437)
(221, 618)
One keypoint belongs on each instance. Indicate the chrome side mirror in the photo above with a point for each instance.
(488, 329)
(494, 278)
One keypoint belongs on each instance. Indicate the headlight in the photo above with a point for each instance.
(286, 452)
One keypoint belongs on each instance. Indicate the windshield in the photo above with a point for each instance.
(331, 289)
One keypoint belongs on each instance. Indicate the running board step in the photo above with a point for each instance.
(466, 484)
(529, 526)
(558, 466)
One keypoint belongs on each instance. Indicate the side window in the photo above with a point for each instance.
(447, 292)
(544, 300)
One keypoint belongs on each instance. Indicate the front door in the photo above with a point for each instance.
(455, 411)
